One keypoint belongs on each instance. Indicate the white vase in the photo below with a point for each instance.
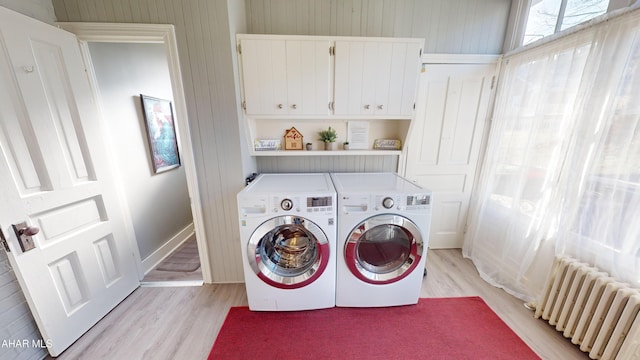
(330, 146)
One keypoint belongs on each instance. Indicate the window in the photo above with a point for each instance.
(562, 168)
(547, 17)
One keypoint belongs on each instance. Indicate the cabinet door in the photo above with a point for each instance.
(376, 78)
(264, 71)
(403, 79)
(308, 77)
(349, 75)
(283, 77)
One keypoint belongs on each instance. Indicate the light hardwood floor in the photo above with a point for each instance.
(156, 275)
(182, 322)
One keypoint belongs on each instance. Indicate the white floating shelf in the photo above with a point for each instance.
(327, 152)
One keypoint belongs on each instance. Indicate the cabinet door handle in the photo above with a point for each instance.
(366, 107)
(280, 106)
(380, 107)
(294, 106)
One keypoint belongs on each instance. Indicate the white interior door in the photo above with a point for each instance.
(55, 177)
(444, 144)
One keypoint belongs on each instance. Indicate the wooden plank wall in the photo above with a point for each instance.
(284, 164)
(452, 27)
(17, 324)
(205, 50)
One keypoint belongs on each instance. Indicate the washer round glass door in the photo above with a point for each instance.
(383, 249)
(288, 252)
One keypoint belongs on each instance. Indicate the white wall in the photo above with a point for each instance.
(37, 9)
(159, 203)
(238, 25)
(448, 26)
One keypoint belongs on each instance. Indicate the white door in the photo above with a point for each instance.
(445, 141)
(55, 177)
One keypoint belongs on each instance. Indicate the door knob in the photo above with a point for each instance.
(380, 107)
(29, 231)
(280, 106)
(24, 234)
(366, 107)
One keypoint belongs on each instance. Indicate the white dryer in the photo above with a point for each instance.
(288, 235)
(383, 230)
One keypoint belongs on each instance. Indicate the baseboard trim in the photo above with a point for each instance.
(178, 283)
(157, 256)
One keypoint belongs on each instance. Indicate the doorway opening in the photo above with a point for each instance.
(126, 61)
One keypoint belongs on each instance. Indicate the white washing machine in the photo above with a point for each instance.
(288, 234)
(383, 233)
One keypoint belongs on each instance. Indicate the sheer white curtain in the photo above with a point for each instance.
(562, 169)
(600, 221)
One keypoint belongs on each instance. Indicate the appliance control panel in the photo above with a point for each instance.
(388, 202)
(418, 202)
(319, 203)
(301, 204)
(253, 206)
(360, 203)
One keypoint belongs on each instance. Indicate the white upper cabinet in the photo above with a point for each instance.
(376, 77)
(286, 77)
(314, 82)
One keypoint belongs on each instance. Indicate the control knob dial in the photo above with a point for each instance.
(286, 204)
(387, 203)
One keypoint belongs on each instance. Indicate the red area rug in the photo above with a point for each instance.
(435, 328)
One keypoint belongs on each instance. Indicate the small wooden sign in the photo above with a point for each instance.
(292, 139)
(387, 144)
(267, 144)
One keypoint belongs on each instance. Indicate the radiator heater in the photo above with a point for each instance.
(594, 310)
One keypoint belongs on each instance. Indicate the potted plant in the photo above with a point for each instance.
(345, 145)
(309, 146)
(328, 137)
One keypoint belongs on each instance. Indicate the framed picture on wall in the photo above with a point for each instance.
(161, 132)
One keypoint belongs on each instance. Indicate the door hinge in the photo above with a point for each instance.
(420, 53)
(493, 82)
(414, 106)
(244, 105)
(4, 242)
(240, 49)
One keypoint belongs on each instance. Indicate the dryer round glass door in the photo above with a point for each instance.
(288, 252)
(383, 249)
